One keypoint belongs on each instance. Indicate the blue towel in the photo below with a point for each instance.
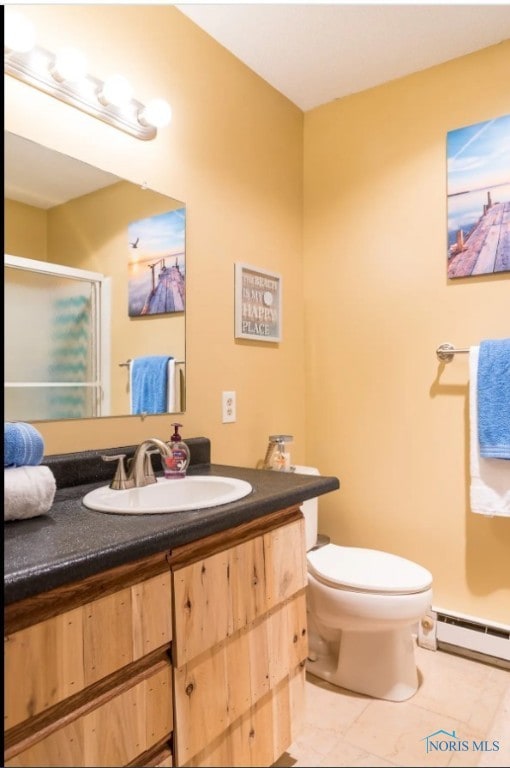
(494, 399)
(23, 445)
(149, 384)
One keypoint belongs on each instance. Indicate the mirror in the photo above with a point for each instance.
(98, 285)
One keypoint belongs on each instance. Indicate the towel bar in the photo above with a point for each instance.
(128, 363)
(445, 352)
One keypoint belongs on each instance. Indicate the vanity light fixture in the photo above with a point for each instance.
(64, 76)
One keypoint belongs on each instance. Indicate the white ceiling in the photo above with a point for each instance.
(314, 53)
(311, 53)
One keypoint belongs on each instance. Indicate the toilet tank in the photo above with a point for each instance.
(310, 510)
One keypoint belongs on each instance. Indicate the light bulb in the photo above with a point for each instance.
(116, 90)
(19, 33)
(157, 113)
(70, 64)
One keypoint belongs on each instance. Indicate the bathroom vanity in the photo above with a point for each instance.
(157, 640)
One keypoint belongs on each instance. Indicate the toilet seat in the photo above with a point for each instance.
(367, 570)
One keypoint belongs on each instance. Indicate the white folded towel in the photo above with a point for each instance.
(490, 478)
(171, 399)
(28, 491)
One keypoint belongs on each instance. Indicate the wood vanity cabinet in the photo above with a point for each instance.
(191, 657)
(87, 671)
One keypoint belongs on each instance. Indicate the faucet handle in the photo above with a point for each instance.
(148, 470)
(120, 480)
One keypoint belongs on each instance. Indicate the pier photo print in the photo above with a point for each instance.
(156, 266)
(479, 198)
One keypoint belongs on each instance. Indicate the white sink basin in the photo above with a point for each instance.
(175, 495)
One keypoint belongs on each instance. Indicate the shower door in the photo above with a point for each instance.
(57, 335)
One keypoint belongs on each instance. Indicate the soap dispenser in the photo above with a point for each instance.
(277, 455)
(177, 463)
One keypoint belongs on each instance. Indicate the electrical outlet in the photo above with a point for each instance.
(228, 400)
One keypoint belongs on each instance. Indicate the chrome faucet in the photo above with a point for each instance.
(140, 470)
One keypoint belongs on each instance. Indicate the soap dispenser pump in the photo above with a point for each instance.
(177, 463)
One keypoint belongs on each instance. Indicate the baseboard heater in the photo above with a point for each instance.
(469, 636)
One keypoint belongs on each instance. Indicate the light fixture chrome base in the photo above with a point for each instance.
(34, 68)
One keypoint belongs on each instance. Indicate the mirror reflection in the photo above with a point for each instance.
(94, 287)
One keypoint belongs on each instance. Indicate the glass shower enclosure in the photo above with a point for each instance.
(57, 341)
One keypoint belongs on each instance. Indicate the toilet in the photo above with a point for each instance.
(362, 607)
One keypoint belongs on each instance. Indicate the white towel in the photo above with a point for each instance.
(490, 478)
(179, 387)
(28, 491)
(171, 386)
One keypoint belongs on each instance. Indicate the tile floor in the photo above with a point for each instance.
(455, 694)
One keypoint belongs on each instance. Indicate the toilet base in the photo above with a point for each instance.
(378, 664)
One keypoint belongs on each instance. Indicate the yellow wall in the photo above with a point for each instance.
(383, 414)
(380, 414)
(233, 153)
(25, 230)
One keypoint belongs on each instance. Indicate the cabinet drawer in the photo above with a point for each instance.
(111, 732)
(56, 658)
(220, 594)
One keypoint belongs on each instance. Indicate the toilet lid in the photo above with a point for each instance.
(367, 570)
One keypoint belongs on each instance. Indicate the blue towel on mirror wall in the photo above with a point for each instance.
(149, 384)
(23, 445)
(494, 399)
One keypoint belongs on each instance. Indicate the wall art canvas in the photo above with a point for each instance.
(479, 198)
(258, 303)
(157, 264)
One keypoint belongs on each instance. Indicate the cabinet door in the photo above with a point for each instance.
(219, 595)
(114, 732)
(263, 733)
(56, 658)
(285, 557)
(216, 690)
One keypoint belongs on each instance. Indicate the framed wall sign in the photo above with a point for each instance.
(258, 304)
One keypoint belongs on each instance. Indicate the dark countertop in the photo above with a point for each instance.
(72, 542)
